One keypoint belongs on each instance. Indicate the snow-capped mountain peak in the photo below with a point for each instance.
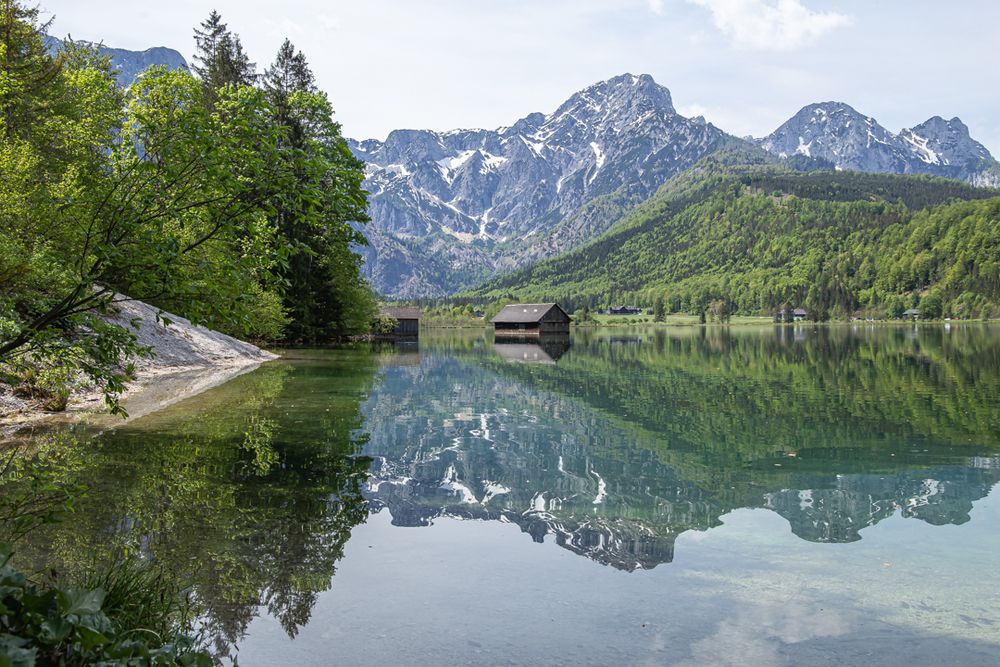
(851, 140)
(486, 188)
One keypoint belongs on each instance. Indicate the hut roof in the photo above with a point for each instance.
(911, 311)
(522, 313)
(524, 353)
(401, 313)
(800, 311)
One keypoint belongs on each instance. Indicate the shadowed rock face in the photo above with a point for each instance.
(850, 140)
(130, 64)
(449, 208)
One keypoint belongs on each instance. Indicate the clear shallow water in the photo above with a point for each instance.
(684, 496)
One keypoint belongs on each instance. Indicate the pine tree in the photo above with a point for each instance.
(29, 75)
(322, 276)
(220, 59)
(289, 73)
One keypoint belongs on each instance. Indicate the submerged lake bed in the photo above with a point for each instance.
(697, 496)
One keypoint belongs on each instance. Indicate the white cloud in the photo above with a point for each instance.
(776, 25)
(655, 6)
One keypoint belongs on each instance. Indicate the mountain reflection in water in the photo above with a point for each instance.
(587, 450)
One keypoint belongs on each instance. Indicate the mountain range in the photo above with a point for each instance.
(451, 209)
(850, 140)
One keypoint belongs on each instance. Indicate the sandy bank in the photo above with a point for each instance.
(188, 360)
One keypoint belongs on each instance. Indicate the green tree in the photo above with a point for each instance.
(659, 314)
(104, 193)
(931, 306)
(219, 59)
(318, 208)
(896, 307)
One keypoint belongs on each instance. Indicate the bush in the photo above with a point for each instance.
(268, 317)
(128, 623)
(383, 325)
(50, 386)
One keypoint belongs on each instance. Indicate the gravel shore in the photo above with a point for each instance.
(188, 360)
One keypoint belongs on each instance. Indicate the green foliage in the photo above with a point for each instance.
(225, 203)
(316, 207)
(931, 306)
(220, 59)
(82, 626)
(127, 613)
(266, 319)
(659, 309)
(383, 325)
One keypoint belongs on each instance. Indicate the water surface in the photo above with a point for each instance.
(789, 495)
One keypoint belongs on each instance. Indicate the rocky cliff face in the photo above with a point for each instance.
(130, 64)
(850, 140)
(453, 207)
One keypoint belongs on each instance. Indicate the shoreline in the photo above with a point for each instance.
(154, 389)
(188, 360)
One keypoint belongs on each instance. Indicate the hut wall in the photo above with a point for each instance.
(407, 327)
(554, 327)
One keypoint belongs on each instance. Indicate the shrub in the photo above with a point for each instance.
(383, 325)
(128, 623)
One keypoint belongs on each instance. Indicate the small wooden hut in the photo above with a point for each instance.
(531, 319)
(407, 321)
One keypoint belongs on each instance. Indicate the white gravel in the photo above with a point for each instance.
(188, 359)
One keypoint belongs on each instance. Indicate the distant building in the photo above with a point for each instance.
(407, 320)
(624, 310)
(530, 319)
(791, 315)
(911, 314)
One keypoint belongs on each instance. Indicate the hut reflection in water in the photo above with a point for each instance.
(532, 349)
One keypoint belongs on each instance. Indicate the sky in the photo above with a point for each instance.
(746, 65)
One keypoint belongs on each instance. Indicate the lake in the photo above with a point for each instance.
(791, 495)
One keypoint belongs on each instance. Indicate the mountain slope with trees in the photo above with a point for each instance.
(744, 235)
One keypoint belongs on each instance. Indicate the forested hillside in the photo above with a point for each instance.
(750, 238)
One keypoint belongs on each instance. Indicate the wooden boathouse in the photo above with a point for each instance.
(407, 321)
(531, 319)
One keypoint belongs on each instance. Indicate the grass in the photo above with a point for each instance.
(142, 599)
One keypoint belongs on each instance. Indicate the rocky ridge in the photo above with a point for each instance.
(130, 64)
(837, 132)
